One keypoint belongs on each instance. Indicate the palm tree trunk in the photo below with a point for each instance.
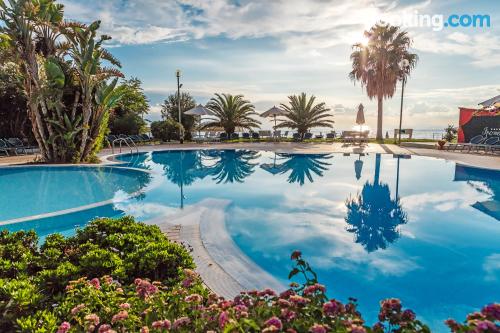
(380, 113)
(376, 179)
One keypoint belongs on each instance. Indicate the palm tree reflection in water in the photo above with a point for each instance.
(232, 165)
(304, 166)
(373, 216)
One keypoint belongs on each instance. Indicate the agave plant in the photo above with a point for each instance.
(232, 112)
(303, 114)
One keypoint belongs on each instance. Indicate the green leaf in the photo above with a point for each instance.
(55, 75)
(293, 272)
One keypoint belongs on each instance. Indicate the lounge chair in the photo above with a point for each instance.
(235, 136)
(246, 136)
(223, 136)
(296, 136)
(308, 136)
(319, 136)
(330, 136)
(255, 136)
(4, 147)
(17, 145)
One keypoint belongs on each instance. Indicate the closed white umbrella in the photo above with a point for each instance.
(360, 116)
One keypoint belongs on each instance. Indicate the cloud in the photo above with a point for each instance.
(491, 267)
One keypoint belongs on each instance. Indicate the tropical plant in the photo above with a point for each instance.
(66, 83)
(377, 64)
(232, 112)
(304, 166)
(303, 114)
(166, 130)
(170, 110)
(450, 133)
(233, 165)
(14, 121)
(373, 216)
(127, 116)
(181, 167)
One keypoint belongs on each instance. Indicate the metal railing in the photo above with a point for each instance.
(127, 142)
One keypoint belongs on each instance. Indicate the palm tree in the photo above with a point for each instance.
(304, 166)
(232, 112)
(302, 114)
(376, 64)
(373, 216)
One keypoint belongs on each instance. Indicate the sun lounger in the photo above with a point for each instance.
(255, 136)
(308, 136)
(246, 136)
(4, 147)
(18, 146)
(235, 136)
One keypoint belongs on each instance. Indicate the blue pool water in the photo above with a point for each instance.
(437, 248)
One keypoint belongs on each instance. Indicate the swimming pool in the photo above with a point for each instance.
(437, 248)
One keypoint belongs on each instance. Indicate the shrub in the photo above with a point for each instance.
(450, 133)
(33, 278)
(165, 130)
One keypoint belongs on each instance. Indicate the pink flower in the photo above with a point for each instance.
(298, 300)
(104, 328)
(95, 282)
(125, 306)
(162, 324)
(77, 309)
(274, 321)
(492, 311)
(194, 298)
(310, 290)
(64, 327)
(357, 329)
(288, 315)
(296, 255)
(182, 321)
(223, 319)
(332, 308)
(267, 292)
(317, 328)
(122, 315)
(92, 319)
(145, 288)
(144, 329)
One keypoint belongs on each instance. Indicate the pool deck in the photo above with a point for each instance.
(201, 227)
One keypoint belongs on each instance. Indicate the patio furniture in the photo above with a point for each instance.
(235, 136)
(223, 136)
(255, 136)
(296, 137)
(264, 134)
(246, 136)
(330, 136)
(4, 147)
(19, 145)
(308, 136)
(319, 136)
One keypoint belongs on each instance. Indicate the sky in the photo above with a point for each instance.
(270, 49)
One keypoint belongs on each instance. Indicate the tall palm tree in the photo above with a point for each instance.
(302, 114)
(231, 112)
(373, 216)
(376, 64)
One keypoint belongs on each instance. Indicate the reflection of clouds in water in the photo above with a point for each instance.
(491, 267)
(142, 209)
(443, 201)
(334, 247)
(312, 200)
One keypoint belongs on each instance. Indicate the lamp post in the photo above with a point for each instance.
(181, 134)
(403, 66)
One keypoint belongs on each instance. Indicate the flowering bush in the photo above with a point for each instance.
(181, 303)
(105, 306)
(33, 278)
